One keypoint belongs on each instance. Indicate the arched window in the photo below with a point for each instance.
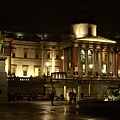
(82, 55)
(89, 55)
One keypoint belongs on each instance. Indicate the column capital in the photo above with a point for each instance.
(94, 46)
(101, 47)
(80, 45)
(87, 46)
(115, 50)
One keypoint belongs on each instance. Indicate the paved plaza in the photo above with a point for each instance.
(42, 110)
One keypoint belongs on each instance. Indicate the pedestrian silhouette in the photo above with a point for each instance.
(82, 95)
(52, 97)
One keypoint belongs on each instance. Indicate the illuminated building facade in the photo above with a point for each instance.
(81, 52)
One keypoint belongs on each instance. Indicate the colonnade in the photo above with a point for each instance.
(105, 56)
(101, 55)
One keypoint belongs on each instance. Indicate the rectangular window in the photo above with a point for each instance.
(57, 57)
(25, 69)
(36, 72)
(13, 69)
(105, 57)
(36, 55)
(25, 54)
(48, 55)
(13, 54)
(24, 73)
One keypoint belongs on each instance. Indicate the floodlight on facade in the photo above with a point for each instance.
(91, 66)
(62, 57)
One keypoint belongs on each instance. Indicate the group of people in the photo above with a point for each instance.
(14, 97)
(72, 97)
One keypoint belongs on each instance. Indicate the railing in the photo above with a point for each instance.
(26, 79)
(80, 81)
(56, 81)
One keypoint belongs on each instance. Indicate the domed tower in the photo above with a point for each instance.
(83, 25)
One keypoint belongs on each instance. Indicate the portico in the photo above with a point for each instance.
(80, 54)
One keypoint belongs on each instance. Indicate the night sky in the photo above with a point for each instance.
(55, 16)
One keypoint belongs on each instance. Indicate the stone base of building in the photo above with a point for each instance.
(3, 87)
(3, 80)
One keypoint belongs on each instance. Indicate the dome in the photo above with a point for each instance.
(83, 17)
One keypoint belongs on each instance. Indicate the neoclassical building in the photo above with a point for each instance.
(81, 52)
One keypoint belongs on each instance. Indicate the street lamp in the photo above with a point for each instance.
(62, 58)
(90, 66)
(47, 65)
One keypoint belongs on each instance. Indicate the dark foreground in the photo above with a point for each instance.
(42, 110)
(100, 109)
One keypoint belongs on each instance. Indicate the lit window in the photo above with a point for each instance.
(13, 69)
(82, 55)
(89, 55)
(25, 69)
(83, 67)
(24, 73)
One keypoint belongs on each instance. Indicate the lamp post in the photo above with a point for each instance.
(90, 66)
(62, 57)
(47, 65)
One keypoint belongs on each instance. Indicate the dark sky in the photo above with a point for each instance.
(55, 16)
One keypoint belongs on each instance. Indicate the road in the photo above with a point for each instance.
(42, 110)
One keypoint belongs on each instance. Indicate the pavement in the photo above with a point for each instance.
(34, 110)
(61, 110)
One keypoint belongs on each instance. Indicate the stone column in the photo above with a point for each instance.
(114, 62)
(8, 49)
(108, 63)
(65, 60)
(71, 60)
(86, 60)
(79, 91)
(93, 60)
(43, 53)
(65, 92)
(3, 79)
(53, 60)
(79, 60)
(9, 64)
(100, 61)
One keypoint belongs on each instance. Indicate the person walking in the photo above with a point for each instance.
(52, 97)
(70, 97)
(74, 97)
(82, 95)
